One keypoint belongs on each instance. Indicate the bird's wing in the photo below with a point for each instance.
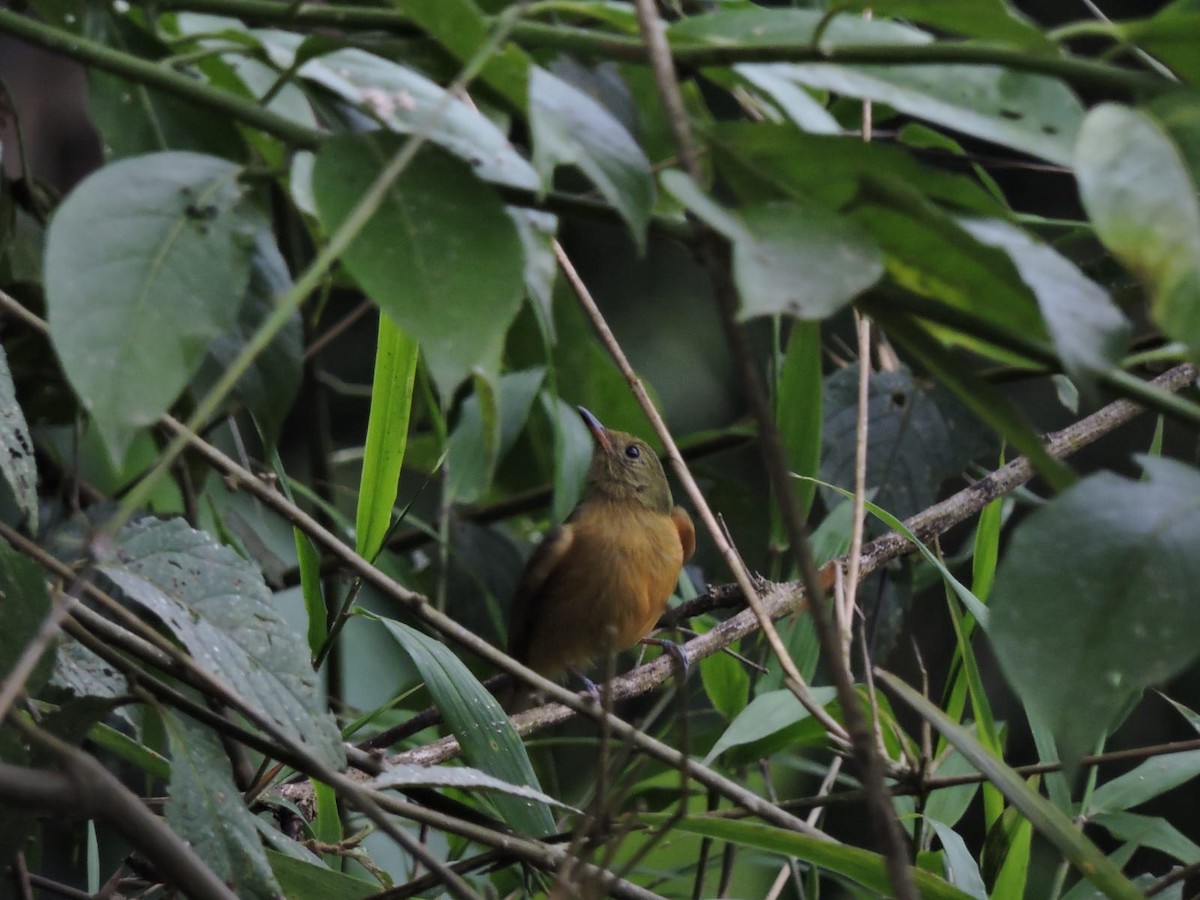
(545, 558)
(687, 531)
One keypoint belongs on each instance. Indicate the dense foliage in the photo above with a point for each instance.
(861, 256)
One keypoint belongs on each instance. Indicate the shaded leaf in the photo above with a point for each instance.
(917, 437)
(217, 605)
(406, 775)
(440, 255)
(80, 671)
(1149, 831)
(571, 128)
(1089, 331)
(1093, 601)
(24, 605)
(1136, 188)
(206, 810)
(994, 20)
(147, 262)
(17, 465)
(799, 259)
(961, 869)
(269, 386)
(300, 880)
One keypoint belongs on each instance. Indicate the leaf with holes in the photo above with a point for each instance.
(147, 262)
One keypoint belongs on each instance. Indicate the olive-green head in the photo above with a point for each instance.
(624, 469)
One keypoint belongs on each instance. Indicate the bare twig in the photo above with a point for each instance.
(713, 252)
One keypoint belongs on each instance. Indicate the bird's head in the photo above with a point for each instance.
(624, 468)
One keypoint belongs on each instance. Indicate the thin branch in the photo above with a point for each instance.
(714, 254)
(733, 559)
(85, 787)
(14, 682)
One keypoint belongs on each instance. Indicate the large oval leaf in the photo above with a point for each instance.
(146, 263)
(219, 607)
(1096, 598)
(440, 256)
(1136, 188)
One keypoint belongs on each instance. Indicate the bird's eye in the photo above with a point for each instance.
(632, 451)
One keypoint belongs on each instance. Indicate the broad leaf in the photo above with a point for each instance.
(217, 605)
(440, 255)
(789, 258)
(1149, 831)
(1094, 600)
(269, 387)
(961, 868)
(571, 128)
(300, 880)
(771, 721)
(917, 437)
(206, 810)
(1089, 332)
(993, 20)
(1136, 188)
(147, 262)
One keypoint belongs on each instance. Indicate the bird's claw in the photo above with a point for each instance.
(589, 686)
(673, 650)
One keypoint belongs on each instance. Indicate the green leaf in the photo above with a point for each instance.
(1136, 189)
(1013, 878)
(1031, 113)
(134, 119)
(206, 810)
(771, 721)
(1052, 824)
(992, 20)
(300, 880)
(327, 823)
(479, 442)
(1170, 36)
(269, 387)
(990, 404)
(725, 679)
(1149, 831)
(789, 258)
(409, 775)
(1093, 601)
(485, 733)
(405, 101)
(147, 262)
(860, 866)
(1089, 331)
(1155, 776)
(961, 869)
(308, 562)
(24, 605)
(387, 436)
(573, 446)
(440, 255)
(218, 606)
(916, 438)
(751, 26)
(571, 128)
(762, 160)
(17, 465)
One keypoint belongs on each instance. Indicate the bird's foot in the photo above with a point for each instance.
(588, 685)
(673, 650)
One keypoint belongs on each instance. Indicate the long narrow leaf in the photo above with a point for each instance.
(1052, 824)
(387, 435)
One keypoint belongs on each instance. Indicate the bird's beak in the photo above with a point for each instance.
(598, 431)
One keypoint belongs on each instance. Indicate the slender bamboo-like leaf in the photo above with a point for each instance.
(328, 823)
(484, 731)
(861, 866)
(798, 411)
(387, 435)
(1049, 822)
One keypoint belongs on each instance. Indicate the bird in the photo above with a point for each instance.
(598, 583)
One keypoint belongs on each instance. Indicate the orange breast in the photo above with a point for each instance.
(610, 588)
